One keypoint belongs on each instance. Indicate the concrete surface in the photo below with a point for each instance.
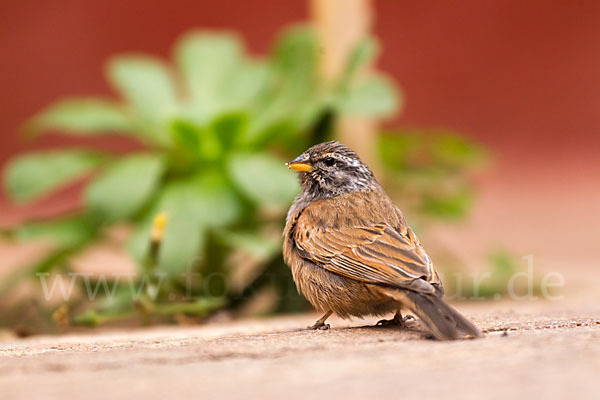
(545, 353)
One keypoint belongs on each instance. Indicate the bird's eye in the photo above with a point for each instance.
(329, 161)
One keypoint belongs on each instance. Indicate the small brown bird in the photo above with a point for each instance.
(351, 252)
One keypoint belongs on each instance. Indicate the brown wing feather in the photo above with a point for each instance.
(374, 254)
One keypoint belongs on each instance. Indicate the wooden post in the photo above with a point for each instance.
(340, 24)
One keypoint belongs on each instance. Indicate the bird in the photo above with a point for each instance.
(351, 252)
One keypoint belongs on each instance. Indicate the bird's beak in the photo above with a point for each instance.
(300, 163)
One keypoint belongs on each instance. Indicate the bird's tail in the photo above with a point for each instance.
(444, 322)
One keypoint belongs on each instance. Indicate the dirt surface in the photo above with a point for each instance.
(535, 351)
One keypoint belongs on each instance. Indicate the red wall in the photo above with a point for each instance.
(501, 70)
(505, 71)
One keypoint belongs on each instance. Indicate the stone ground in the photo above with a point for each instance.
(530, 350)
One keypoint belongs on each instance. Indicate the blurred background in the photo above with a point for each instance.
(481, 118)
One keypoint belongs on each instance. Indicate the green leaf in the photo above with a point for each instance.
(66, 232)
(186, 137)
(125, 186)
(183, 241)
(215, 203)
(363, 54)
(33, 175)
(295, 61)
(259, 245)
(249, 81)
(444, 150)
(285, 119)
(264, 179)
(146, 83)
(457, 151)
(503, 264)
(294, 97)
(375, 96)
(396, 148)
(193, 206)
(82, 116)
(448, 205)
(207, 62)
(200, 142)
(230, 128)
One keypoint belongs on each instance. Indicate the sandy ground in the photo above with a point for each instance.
(529, 350)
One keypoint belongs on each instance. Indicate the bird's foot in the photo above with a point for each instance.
(398, 320)
(321, 326)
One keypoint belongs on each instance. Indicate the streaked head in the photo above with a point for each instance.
(330, 169)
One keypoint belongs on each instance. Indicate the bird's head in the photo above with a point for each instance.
(330, 169)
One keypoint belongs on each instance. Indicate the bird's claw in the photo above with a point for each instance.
(388, 322)
(320, 327)
(396, 321)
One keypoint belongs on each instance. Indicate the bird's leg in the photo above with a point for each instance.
(320, 324)
(398, 320)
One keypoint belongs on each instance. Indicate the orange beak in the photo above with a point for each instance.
(300, 163)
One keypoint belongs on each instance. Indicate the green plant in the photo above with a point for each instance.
(430, 171)
(213, 128)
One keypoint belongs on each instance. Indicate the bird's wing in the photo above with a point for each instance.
(375, 254)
